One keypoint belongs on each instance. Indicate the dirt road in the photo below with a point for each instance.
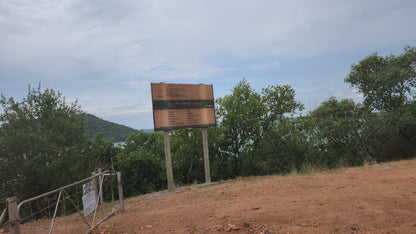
(379, 198)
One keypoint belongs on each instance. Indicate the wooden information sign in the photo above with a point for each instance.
(178, 106)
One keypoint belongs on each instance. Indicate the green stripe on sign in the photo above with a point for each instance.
(185, 127)
(182, 104)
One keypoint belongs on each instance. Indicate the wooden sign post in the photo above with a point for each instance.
(177, 106)
(206, 155)
(168, 159)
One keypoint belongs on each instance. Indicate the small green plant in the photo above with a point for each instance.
(361, 207)
(309, 169)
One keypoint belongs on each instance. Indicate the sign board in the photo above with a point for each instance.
(88, 198)
(178, 106)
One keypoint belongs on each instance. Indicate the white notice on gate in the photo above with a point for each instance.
(88, 198)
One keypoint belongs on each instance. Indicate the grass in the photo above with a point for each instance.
(309, 169)
(306, 169)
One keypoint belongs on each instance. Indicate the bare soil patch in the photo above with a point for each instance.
(379, 198)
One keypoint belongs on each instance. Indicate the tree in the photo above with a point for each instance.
(392, 134)
(286, 146)
(142, 163)
(41, 143)
(339, 133)
(245, 117)
(100, 153)
(188, 155)
(387, 83)
(240, 114)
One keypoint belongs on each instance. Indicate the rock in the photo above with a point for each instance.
(233, 227)
(149, 226)
(217, 227)
(227, 228)
(304, 225)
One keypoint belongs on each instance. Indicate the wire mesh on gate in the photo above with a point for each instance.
(49, 208)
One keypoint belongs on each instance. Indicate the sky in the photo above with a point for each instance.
(104, 54)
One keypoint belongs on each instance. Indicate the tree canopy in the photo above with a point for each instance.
(387, 83)
(41, 137)
(245, 118)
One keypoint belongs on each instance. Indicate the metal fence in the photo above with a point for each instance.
(67, 200)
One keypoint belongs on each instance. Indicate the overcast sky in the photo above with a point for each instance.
(105, 53)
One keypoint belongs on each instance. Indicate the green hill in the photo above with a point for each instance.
(109, 129)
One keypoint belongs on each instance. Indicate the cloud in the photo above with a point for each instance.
(106, 54)
(356, 94)
(126, 110)
(114, 36)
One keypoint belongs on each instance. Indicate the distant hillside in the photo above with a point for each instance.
(109, 129)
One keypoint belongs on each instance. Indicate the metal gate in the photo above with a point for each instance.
(70, 199)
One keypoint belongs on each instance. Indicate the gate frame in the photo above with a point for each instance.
(14, 208)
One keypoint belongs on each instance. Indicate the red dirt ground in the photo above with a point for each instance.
(378, 198)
